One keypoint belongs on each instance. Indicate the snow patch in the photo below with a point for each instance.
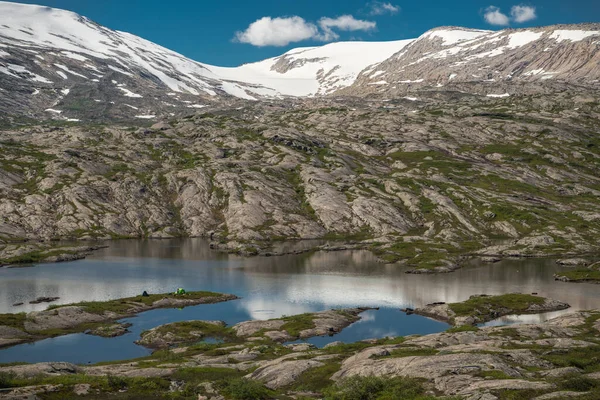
(74, 56)
(66, 69)
(145, 116)
(129, 93)
(18, 71)
(53, 111)
(454, 36)
(498, 95)
(119, 70)
(572, 35)
(93, 68)
(236, 91)
(519, 39)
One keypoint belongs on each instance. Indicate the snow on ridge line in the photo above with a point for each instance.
(519, 39)
(572, 35)
(452, 36)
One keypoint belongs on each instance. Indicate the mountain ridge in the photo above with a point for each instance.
(58, 64)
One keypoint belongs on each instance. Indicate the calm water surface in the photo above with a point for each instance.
(269, 286)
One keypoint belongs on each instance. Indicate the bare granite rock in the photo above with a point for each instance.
(45, 369)
(278, 373)
(429, 367)
(444, 312)
(175, 333)
(573, 262)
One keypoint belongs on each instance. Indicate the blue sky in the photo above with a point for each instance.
(207, 30)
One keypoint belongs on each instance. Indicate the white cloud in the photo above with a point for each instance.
(269, 31)
(494, 16)
(380, 8)
(343, 23)
(346, 23)
(522, 13)
(518, 14)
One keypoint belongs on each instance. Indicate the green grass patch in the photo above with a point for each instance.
(297, 323)
(134, 387)
(578, 383)
(14, 320)
(245, 389)
(185, 331)
(206, 374)
(124, 306)
(587, 358)
(581, 275)
(347, 348)
(488, 305)
(462, 328)
(316, 379)
(375, 388)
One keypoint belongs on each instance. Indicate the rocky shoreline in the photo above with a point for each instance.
(551, 360)
(42, 253)
(95, 318)
(19, 254)
(483, 308)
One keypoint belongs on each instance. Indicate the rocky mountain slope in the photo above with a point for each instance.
(55, 64)
(459, 141)
(496, 64)
(451, 175)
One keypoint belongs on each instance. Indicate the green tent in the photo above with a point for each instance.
(180, 291)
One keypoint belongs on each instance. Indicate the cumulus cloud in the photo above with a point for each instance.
(522, 13)
(342, 23)
(380, 8)
(494, 16)
(346, 23)
(269, 31)
(518, 14)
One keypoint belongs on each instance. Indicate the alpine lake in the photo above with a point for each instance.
(268, 287)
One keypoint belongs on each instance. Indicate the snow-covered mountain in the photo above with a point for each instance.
(313, 71)
(58, 64)
(42, 48)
